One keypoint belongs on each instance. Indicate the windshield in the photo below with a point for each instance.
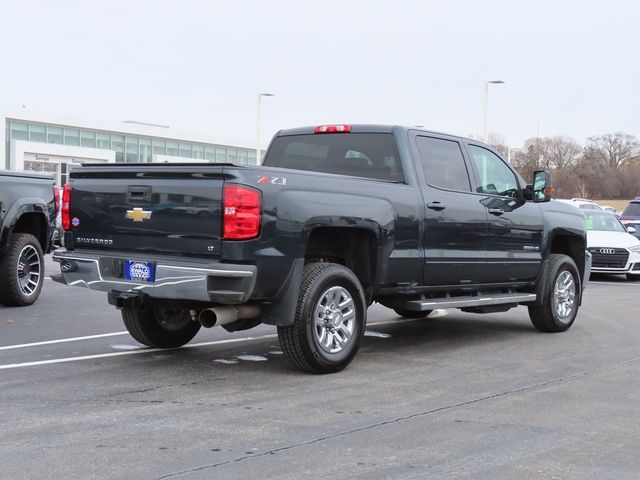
(603, 222)
(372, 155)
(632, 210)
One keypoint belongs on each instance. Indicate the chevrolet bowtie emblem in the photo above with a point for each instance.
(138, 214)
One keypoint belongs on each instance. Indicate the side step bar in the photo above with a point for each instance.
(469, 301)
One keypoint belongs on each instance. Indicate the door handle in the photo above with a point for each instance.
(435, 205)
(496, 211)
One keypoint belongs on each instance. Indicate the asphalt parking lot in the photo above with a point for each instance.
(455, 395)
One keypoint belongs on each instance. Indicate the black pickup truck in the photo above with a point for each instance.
(338, 217)
(27, 222)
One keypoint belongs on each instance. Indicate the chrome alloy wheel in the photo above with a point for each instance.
(334, 319)
(28, 270)
(564, 296)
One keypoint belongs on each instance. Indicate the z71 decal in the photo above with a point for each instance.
(266, 180)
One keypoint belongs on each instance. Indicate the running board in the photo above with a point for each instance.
(470, 301)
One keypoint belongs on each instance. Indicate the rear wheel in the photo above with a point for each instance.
(329, 320)
(21, 271)
(561, 297)
(160, 327)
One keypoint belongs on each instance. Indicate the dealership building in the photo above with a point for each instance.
(40, 143)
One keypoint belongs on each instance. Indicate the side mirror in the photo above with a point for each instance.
(631, 230)
(542, 189)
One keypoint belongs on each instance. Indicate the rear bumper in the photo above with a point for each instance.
(176, 278)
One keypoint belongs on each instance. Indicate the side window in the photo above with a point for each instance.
(495, 177)
(443, 163)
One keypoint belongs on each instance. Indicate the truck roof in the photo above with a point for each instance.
(370, 128)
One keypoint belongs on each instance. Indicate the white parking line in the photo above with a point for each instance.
(129, 352)
(62, 340)
(435, 314)
(629, 284)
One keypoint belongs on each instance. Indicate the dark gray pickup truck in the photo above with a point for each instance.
(339, 216)
(27, 222)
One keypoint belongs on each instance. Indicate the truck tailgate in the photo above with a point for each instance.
(147, 208)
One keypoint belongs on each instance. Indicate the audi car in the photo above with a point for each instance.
(613, 248)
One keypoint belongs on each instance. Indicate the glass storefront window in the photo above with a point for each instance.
(172, 148)
(131, 151)
(242, 156)
(37, 133)
(18, 131)
(103, 140)
(210, 153)
(185, 150)
(71, 136)
(54, 135)
(117, 144)
(88, 139)
(198, 151)
(145, 149)
(232, 155)
(221, 155)
(159, 147)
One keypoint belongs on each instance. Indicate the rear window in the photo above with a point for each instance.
(633, 210)
(371, 155)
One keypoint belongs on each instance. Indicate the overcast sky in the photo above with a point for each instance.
(570, 67)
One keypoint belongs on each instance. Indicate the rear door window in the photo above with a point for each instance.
(370, 155)
(443, 163)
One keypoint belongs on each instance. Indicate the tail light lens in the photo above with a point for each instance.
(626, 219)
(56, 198)
(241, 212)
(66, 207)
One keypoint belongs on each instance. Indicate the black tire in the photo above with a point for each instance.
(160, 327)
(13, 291)
(300, 341)
(633, 278)
(545, 317)
(403, 312)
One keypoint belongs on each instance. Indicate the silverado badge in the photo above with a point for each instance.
(138, 214)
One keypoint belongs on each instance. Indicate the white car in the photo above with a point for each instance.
(612, 246)
(610, 209)
(582, 204)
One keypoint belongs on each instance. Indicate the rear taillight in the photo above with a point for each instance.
(241, 212)
(66, 206)
(626, 219)
(333, 129)
(56, 198)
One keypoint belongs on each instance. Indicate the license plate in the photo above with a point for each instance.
(139, 271)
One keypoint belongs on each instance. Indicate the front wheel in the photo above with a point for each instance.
(561, 297)
(160, 327)
(329, 319)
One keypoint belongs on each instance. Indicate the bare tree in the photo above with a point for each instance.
(499, 144)
(612, 150)
(561, 152)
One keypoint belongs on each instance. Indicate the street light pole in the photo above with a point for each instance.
(260, 95)
(486, 106)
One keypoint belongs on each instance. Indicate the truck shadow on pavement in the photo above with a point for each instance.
(420, 338)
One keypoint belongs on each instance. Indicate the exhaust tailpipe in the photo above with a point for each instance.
(225, 314)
